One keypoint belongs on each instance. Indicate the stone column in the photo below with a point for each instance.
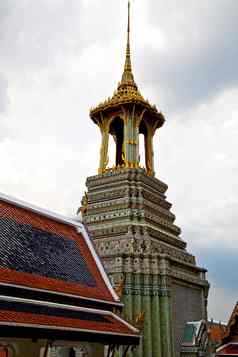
(165, 310)
(155, 309)
(128, 290)
(104, 148)
(137, 299)
(147, 345)
(129, 139)
(149, 154)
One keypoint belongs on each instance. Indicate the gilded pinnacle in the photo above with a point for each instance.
(127, 76)
(127, 90)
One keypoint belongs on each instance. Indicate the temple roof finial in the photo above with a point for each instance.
(127, 77)
(128, 46)
(127, 90)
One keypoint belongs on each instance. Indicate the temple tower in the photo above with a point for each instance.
(125, 116)
(129, 218)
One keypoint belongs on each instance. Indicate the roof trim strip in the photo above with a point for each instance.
(112, 303)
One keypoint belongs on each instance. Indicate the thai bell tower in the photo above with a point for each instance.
(129, 218)
(124, 116)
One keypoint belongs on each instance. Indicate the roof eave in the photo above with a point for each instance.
(95, 113)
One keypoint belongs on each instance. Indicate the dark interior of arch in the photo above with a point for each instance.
(117, 131)
(142, 128)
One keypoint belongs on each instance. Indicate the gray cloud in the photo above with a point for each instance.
(3, 94)
(38, 34)
(35, 33)
(200, 59)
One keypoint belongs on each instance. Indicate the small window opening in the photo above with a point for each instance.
(117, 132)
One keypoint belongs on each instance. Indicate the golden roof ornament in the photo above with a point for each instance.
(119, 289)
(127, 76)
(127, 90)
(139, 320)
(83, 209)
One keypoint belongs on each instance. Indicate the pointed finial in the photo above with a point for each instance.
(127, 77)
(129, 19)
(128, 46)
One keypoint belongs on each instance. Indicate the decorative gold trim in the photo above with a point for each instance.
(131, 142)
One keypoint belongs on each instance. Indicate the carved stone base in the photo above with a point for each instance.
(133, 229)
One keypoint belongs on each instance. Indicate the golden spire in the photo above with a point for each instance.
(127, 90)
(128, 45)
(127, 76)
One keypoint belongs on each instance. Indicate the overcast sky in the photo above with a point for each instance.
(58, 58)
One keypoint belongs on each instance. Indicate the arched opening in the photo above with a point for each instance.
(111, 152)
(116, 129)
(142, 144)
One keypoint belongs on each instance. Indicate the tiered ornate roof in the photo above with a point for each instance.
(52, 281)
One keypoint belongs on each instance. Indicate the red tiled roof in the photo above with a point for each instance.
(231, 349)
(233, 321)
(45, 252)
(28, 255)
(216, 332)
(21, 313)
